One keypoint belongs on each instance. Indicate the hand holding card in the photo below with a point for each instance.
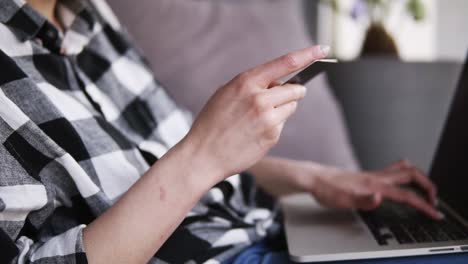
(311, 71)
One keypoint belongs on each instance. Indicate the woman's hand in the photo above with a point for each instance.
(244, 119)
(337, 188)
(366, 190)
(235, 129)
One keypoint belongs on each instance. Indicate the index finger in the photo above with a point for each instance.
(426, 184)
(405, 196)
(414, 175)
(271, 71)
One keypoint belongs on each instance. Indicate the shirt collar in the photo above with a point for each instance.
(23, 20)
(26, 23)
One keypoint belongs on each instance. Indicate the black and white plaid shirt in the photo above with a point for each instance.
(81, 119)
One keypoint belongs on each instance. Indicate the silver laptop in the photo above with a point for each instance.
(317, 234)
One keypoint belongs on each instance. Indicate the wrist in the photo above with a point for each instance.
(310, 176)
(203, 166)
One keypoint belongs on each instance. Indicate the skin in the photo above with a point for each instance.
(338, 188)
(233, 133)
(47, 9)
(246, 125)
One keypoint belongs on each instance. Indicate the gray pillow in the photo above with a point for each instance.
(196, 46)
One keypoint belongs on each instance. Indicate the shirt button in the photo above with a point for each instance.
(39, 41)
(51, 34)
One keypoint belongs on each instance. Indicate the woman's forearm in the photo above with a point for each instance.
(134, 228)
(279, 176)
(235, 129)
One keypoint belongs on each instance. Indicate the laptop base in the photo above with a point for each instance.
(317, 234)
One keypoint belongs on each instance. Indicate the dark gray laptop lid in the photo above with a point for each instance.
(450, 165)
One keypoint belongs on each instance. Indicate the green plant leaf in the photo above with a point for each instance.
(332, 3)
(417, 9)
(375, 2)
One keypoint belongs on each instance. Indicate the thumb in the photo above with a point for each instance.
(368, 201)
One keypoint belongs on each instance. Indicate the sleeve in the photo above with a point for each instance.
(27, 201)
(23, 203)
(9, 250)
(64, 248)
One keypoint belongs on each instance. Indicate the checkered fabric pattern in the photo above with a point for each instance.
(81, 119)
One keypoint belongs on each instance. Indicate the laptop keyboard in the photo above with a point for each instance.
(405, 225)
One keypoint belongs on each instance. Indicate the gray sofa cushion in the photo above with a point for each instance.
(196, 46)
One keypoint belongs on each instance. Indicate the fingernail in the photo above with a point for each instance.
(440, 216)
(325, 49)
(375, 197)
(303, 90)
(371, 198)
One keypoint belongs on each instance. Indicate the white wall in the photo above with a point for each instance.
(452, 29)
(443, 35)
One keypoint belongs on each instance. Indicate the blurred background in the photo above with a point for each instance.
(386, 100)
(402, 60)
(421, 30)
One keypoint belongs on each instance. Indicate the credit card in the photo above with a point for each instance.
(311, 71)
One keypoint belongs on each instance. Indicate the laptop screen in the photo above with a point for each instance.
(450, 165)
